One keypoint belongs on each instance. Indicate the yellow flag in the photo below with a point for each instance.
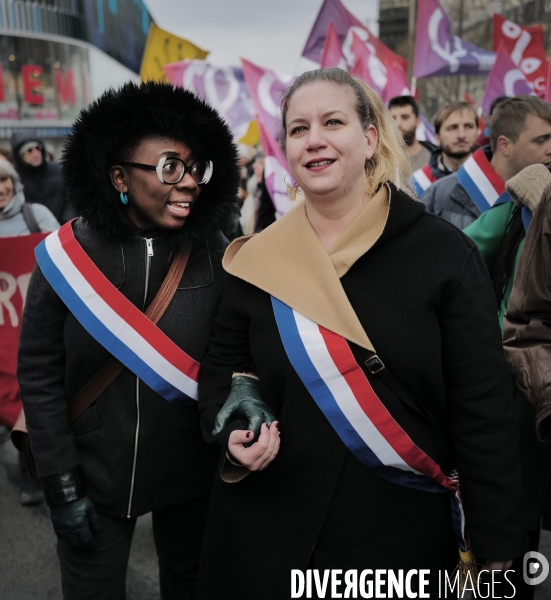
(163, 48)
(252, 137)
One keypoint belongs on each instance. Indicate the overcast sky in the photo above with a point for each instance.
(270, 33)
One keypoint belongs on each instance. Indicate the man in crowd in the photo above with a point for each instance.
(455, 127)
(41, 179)
(520, 136)
(405, 112)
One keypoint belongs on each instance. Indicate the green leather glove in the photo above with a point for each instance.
(244, 402)
(76, 520)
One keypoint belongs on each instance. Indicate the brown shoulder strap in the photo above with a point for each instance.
(110, 370)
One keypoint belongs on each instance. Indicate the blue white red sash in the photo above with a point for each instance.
(325, 364)
(113, 321)
(484, 186)
(422, 179)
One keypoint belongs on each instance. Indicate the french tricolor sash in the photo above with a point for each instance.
(113, 321)
(484, 186)
(325, 364)
(422, 179)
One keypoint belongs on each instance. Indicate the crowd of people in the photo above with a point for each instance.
(359, 384)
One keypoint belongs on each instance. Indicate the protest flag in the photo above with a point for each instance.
(276, 171)
(425, 132)
(367, 67)
(505, 79)
(397, 83)
(266, 88)
(224, 88)
(162, 48)
(438, 52)
(345, 24)
(525, 46)
(332, 55)
(16, 264)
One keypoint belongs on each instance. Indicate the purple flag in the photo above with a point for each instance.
(224, 88)
(505, 79)
(346, 24)
(439, 53)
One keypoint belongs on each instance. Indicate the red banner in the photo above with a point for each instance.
(16, 264)
(525, 46)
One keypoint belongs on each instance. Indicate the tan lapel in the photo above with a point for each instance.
(288, 261)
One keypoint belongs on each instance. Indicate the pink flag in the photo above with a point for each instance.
(397, 84)
(438, 52)
(367, 67)
(332, 55)
(222, 87)
(345, 25)
(505, 79)
(266, 88)
(276, 171)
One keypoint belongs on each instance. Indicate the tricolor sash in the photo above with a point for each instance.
(422, 179)
(325, 364)
(113, 321)
(484, 186)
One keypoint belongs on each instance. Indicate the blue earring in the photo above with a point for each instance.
(124, 198)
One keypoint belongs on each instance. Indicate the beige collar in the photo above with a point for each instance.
(288, 262)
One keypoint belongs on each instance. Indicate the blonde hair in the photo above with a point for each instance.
(390, 161)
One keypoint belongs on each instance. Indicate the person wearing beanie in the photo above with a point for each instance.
(152, 170)
(41, 178)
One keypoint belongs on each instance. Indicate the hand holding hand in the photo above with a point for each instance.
(244, 402)
(260, 454)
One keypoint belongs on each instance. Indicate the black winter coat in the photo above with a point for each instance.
(423, 296)
(42, 184)
(128, 421)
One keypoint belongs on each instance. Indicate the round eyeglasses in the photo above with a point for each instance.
(171, 170)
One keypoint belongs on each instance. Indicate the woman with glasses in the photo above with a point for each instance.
(153, 172)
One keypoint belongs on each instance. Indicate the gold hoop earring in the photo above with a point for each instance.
(369, 183)
(292, 191)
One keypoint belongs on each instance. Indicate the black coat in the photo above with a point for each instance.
(424, 297)
(57, 356)
(42, 184)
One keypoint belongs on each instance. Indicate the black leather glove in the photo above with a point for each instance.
(72, 512)
(76, 521)
(244, 402)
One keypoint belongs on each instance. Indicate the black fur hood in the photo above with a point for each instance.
(117, 121)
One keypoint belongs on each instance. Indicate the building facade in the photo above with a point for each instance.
(57, 55)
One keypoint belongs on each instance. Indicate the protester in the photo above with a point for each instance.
(405, 112)
(499, 234)
(520, 136)
(18, 218)
(41, 178)
(152, 169)
(357, 260)
(455, 129)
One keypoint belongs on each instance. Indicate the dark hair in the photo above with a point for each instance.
(454, 107)
(496, 103)
(404, 101)
(111, 126)
(509, 118)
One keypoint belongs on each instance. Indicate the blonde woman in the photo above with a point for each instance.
(371, 327)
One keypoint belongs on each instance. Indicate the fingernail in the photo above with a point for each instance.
(248, 434)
